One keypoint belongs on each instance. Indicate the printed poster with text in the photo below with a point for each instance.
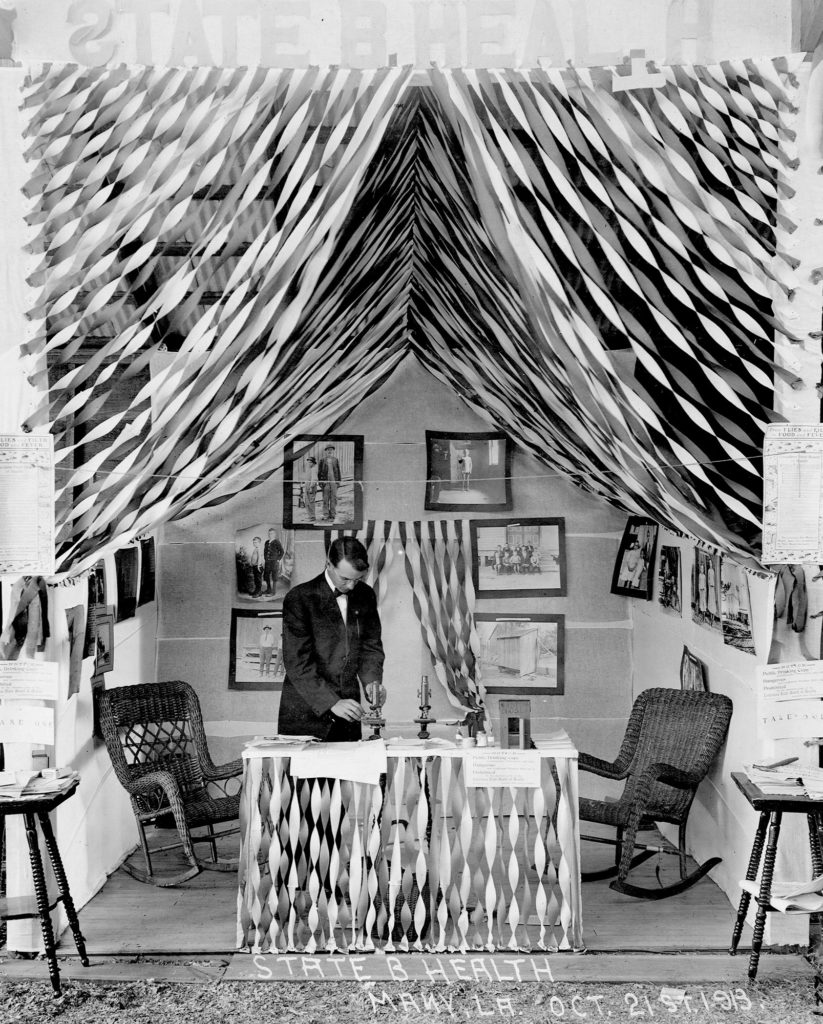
(792, 505)
(27, 504)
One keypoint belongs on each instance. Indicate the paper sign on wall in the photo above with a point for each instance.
(28, 680)
(793, 493)
(20, 723)
(785, 719)
(794, 680)
(27, 504)
(503, 768)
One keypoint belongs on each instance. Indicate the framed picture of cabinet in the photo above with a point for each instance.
(519, 557)
(521, 654)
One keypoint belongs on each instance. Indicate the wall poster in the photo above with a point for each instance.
(793, 493)
(27, 504)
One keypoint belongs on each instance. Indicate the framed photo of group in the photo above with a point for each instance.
(323, 482)
(521, 654)
(468, 472)
(519, 557)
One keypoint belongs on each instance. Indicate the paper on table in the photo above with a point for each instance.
(359, 761)
(785, 890)
(363, 761)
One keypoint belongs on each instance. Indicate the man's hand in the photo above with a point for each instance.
(348, 709)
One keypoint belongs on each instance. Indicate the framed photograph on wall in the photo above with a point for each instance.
(323, 482)
(669, 592)
(96, 601)
(735, 606)
(634, 567)
(692, 672)
(706, 589)
(256, 650)
(521, 654)
(147, 571)
(125, 566)
(468, 472)
(519, 557)
(264, 562)
(103, 632)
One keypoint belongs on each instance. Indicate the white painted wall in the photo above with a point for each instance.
(722, 820)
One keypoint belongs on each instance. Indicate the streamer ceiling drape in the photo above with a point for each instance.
(437, 558)
(290, 235)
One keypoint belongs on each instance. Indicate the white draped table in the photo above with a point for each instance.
(418, 862)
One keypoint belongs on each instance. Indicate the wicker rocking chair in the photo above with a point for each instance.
(671, 740)
(155, 738)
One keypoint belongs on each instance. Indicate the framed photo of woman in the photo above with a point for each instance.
(634, 567)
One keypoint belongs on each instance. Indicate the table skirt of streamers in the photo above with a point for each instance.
(420, 862)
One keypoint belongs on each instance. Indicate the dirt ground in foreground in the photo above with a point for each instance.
(148, 1002)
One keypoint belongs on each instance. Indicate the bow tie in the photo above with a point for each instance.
(339, 593)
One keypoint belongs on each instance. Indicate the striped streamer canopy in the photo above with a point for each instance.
(591, 269)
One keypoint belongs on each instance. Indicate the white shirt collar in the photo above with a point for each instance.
(332, 586)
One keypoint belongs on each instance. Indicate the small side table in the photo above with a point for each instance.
(771, 808)
(33, 810)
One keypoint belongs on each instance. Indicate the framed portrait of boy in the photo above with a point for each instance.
(521, 654)
(634, 567)
(323, 482)
(468, 472)
(256, 650)
(519, 557)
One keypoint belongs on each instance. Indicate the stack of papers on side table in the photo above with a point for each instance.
(798, 897)
(784, 781)
(23, 785)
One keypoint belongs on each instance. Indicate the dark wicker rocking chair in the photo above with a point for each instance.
(155, 738)
(671, 740)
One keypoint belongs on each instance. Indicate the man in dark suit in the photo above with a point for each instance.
(272, 553)
(329, 477)
(331, 638)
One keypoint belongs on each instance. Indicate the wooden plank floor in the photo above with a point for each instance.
(198, 917)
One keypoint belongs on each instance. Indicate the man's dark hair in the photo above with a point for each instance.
(350, 549)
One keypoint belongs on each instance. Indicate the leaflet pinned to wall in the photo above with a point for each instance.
(793, 493)
(789, 700)
(26, 504)
(28, 680)
(23, 723)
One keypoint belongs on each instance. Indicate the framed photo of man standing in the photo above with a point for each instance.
(323, 482)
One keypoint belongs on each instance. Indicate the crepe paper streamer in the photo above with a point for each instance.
(207, 207)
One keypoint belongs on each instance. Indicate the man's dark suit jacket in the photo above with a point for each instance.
(324, 656)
